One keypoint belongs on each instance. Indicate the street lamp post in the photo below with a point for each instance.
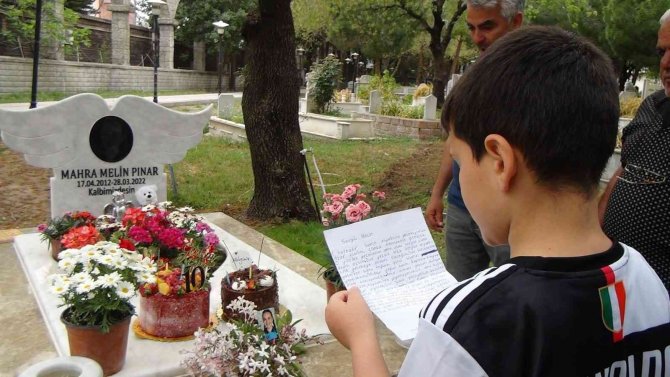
(155, 36)
(220, 26)
(36, 53)
(354, 56)
(301, 52)
(347, 70)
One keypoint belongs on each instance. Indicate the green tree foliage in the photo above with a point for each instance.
(372, 28)
(323, 82)
(20, 21)
(625, 29)
(80, 6)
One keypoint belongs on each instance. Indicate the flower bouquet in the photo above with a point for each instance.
(187, 251)
(342, 209)
(56, 228)
(243, 348)
(96, 285)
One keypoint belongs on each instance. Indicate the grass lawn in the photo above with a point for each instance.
(217, 176)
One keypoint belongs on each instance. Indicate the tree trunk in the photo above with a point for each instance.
(270, 106)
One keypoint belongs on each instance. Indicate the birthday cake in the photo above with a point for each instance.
(167, 310)
(256, 285)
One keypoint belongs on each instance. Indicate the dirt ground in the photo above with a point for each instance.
(24, 189)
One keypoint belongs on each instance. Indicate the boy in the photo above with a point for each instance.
(532, 125)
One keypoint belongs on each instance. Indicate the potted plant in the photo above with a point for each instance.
(57, 227)
(187, 251)
(96, 285)
(258, 344)
(341, 209)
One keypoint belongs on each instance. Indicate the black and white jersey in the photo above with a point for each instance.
(600, 315)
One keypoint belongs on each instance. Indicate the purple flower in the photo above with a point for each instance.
(200, 227)
(211, 239)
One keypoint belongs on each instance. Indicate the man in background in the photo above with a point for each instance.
(467, 254)
(635, 207)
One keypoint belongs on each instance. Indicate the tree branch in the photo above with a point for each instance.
(460, 8)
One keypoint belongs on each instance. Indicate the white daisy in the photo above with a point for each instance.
(85, 287)
(146, 277)
(110, 280)
(125, 290)
(67, 264)
(81, 277)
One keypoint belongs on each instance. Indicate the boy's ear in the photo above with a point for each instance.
(505, 163)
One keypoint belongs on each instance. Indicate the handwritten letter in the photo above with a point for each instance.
(394, 262)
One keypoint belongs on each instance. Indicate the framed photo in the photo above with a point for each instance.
(266, 320)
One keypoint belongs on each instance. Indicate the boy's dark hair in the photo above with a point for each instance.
(552, 94)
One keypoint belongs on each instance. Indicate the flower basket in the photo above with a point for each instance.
(107, 348)
(56, 247)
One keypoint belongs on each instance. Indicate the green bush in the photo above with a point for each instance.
(398, 109)
(323, 82)
(385, 84)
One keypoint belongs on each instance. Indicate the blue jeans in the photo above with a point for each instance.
(467, 253)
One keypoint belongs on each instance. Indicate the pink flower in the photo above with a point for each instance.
(364, 207)
(380, 195)
(360, 196)
(337, 198)
(140, 235)
(353, 213)
(336, 208)
(41, 228)
(172, 238)
(211, 239)
(350, 191)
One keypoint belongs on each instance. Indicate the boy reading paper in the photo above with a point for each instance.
(532, 125)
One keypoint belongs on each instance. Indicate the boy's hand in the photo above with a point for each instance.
(349, 319)
(434, 214)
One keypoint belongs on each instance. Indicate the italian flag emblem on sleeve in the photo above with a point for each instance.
(613, 304)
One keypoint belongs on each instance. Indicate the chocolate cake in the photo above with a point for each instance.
(261, 289)
(174, 316)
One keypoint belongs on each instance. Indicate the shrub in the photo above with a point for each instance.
(323, 81)
(385, 84)
(423, 90)
(629, 107)
(398, 109)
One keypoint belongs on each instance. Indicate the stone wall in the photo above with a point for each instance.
(72, 77)
(395, 126)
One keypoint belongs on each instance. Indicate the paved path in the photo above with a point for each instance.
(168, 101)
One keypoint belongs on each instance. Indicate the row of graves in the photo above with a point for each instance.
(126, 279)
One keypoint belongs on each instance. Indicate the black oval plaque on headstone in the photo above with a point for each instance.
(111, 139)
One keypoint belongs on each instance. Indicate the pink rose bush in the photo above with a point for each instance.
(349, 207)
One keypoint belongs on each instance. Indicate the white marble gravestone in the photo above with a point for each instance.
(226, 105)
(430, 107)
(375, 102)
(95, 150)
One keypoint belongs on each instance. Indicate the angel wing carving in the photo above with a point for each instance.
(53, 136)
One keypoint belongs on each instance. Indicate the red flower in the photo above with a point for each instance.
(127, 244)
(81, 236)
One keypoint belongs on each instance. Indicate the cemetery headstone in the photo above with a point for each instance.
(226, 105)
(375, 102)
(452, 81)
(95, 150)
(430, 107)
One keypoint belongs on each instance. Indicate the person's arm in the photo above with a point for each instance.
(436, 204)
(352, 323)
(605, 198)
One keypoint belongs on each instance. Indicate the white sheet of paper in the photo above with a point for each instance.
(393, 260)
